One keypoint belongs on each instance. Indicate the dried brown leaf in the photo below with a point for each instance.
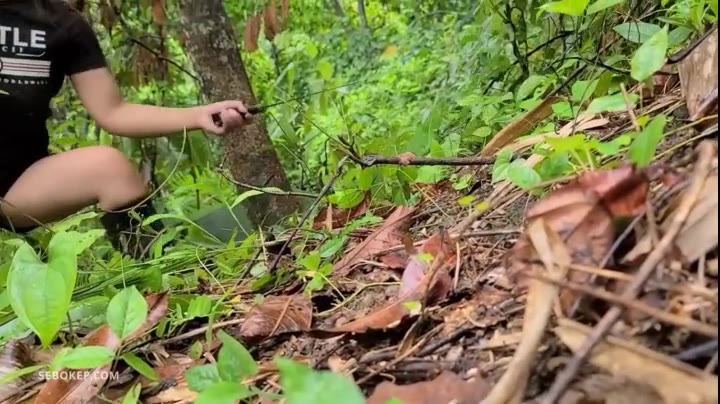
(413, 287)
(80, 389)
(675, 382)
(290, 313)
(252, 31)
(270, 21)
(158, 12)
(519, 126)
(605, 389)
(388, 235)
(582, 213)
(445, 388)
(14, 355)
(285, 12)
(699, 235)
(332, 217)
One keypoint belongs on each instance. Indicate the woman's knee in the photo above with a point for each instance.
(120, 179)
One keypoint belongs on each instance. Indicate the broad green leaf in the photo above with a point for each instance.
(601, 5)
(522, 175)
(63, 250)
(234, 361)
(679, 35)
(223, 392)
(569, 7)
(566, 144)
(72, 221)
(84, 357)
(611, 103)
(140, 366)
(650, 57)
(470, 100)
(637, 31)
(302, 385)
(482, 132)
(714, 6)
(201, 377)
(37, 294)
(583, 89)
(126, 311)
(16, 373)
(554, 165)
(133, 395)
(500, 166)
(245, 195)
(643, 148)
(529, 85)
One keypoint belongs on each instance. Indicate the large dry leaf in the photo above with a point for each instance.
(252, 31)
(332, 217)
(414, 287)
(699, 235)
(445, 388)
(158, 12)
(675, 381)
(78, 389)
(280, 314)
(270, 21)
(519, 126)
(582, 213)
(699, 76)
(389, 234)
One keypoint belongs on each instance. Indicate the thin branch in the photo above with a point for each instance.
(267, 191)
(370, 161)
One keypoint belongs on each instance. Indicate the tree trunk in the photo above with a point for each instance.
(212, 47)
(337, 7)
(361, 12)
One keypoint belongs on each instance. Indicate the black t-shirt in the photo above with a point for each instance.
(41, 43)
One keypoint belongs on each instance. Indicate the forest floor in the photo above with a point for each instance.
(493, 296)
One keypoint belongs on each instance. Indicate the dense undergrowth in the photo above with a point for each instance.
(432, 78)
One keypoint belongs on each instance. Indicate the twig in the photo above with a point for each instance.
(369, 161)
(266, 190)
(309, 212)
(201, 330)
(644, 272)
(629, 107)
(681, 321)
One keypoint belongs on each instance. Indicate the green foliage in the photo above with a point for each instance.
(642, 150)
(84, 357)
(650, 57)
(301, 384)
(126, 312)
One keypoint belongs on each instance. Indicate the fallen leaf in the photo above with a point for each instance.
(413, 287)
(388, 235)
(606, 389)
(294, 313)
(270, 21)
(445, 388)
(158, 12)
(519, 126)
(582, 214)
(252, 31)
(699, 235)
(82, 385)
(675, 382)
(332, 217)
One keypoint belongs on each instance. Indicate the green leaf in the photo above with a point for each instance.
(583, 89)
(482, 132)
(223, 392)
(637, 32)
(234, 361)
(650, 57)
(569, 7)
(302, 385)
(133, 395)
(245, 195)
(611, 103)
(470, 100)
(523, 176)
(566, 144)
(529, 85)
(679, 35)
(38, 294)
(643, 148)
(16, 373)
(85, 357)
(126, 311)
(500, 166)
(325, 68)
(201, 377)
(140, 366)
(601, 5)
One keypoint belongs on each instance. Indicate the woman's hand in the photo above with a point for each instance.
(231, 114)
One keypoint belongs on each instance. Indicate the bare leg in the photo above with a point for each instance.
(60, 185)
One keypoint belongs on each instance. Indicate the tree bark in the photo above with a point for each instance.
(212, 47)
(361, 12)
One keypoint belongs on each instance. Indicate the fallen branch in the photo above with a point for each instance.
(563, 380)
(369, 161)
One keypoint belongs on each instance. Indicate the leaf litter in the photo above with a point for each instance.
(481, 317)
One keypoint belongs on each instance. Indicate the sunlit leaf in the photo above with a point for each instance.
(643, 148)
(301, 385)
(140, 366)
(569, 7)
(84, 357)
(234, 361)
(126, 311)
(637, 31)
(601, 5)
(611, 103)
(500, 166)
(201, 377)
(522, 175)
(650, 57)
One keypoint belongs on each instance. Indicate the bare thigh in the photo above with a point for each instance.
(60, 185)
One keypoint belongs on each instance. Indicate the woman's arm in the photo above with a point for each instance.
(101, 97)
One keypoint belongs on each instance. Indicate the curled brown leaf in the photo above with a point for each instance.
(332, 217)
(252, 30)
(447, 387)
(280, 314)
